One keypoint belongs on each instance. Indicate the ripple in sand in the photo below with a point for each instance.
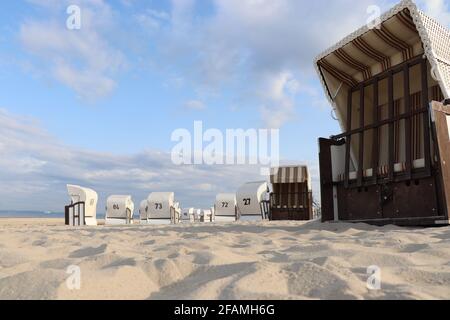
(165, 271)
(121, 263)
(33, 285)
(313, 281)
(56, 264)
(187, 287)
(39, 243)
(10, 259)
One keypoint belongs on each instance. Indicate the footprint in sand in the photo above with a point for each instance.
(185, 288)
(32, 285)
(413, 247)
(39, 243)
(60, 264)
(202, 258)
(121, 263)
(10, 259)
(88, 251)
(173, 256)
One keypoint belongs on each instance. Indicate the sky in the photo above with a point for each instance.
(97, 106)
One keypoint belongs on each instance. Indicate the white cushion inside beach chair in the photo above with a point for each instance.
(383, 170)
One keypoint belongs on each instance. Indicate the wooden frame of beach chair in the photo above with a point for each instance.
(387, 166)
(83, 207)
(225, 207)
(291, 197)
(119, 210)
(253, 201)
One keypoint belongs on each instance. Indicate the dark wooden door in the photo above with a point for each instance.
(441, 133)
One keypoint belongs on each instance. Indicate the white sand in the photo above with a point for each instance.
(278, 260)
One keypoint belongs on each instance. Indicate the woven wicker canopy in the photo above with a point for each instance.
(404, 32)
(290, 174)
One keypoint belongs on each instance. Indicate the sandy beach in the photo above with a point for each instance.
(269, 260)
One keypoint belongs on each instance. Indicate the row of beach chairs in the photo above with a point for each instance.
(249, 203)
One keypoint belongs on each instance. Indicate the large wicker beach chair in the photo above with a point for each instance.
(390, 163)
(291, 198)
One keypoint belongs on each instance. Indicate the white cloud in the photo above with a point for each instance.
(205, 187)
(239, 44)
(152, 19)
(36, 168)
(246, 46)
(83, 60)
(195, 105)
(279, 96)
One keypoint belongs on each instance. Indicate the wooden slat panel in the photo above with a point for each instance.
(376, 145)
(348, 140)
(408, 140)
(391, 125)
(361, 138)
(426, 124)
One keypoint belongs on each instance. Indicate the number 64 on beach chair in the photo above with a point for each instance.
(119, 210)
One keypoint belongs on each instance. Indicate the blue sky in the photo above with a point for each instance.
(97, 106)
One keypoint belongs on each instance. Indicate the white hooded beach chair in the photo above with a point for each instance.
(207, 215)
(253, 201)
(162, 208)
(119, 210)
(225, 207)
(188, 216)
(83, 207)
(143, 212)
(198, 215)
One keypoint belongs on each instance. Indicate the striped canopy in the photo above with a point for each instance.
(290, 174)
(375, 51)
(404, 32)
